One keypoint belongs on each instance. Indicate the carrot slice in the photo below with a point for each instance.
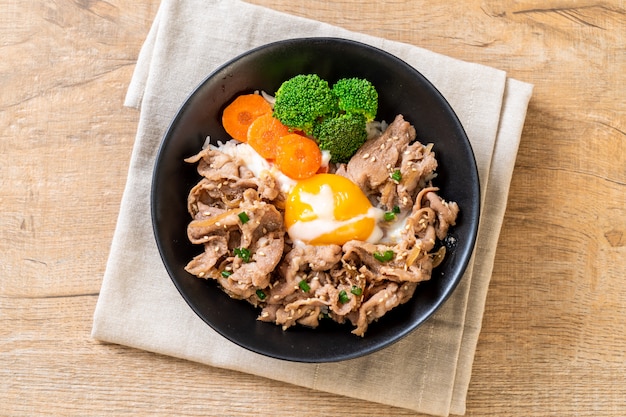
(297, 156)
(239, 115)
(264, 133)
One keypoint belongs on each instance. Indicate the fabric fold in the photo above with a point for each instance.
(428, 371)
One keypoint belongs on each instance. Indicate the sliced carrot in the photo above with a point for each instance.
(239, 115)
(297, 156)
(264, 133)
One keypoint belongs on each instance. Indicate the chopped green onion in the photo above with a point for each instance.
(396, 175)
(226, 274)
(385, 256)
(343, 297)
(389, 216)
(243, 253)
(260, 294)
(304, 286)
(243, 217)
(356, 290)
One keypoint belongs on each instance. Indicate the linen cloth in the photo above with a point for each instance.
(429, 370)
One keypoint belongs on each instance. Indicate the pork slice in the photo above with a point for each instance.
(417, 167)
(447, 213)
(358, 253)
(384, 300)
(305, 311)
(371, 166)
(203, 264)
(218, 193)
(266, 254)
(303, 262)
(200, 231)
(225, 180)
(321, 257)
(255, 229)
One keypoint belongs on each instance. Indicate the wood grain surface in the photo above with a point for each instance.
(553, 341)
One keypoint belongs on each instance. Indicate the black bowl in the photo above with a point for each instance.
(402, 90)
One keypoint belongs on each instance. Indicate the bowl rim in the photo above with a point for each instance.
(463, 262)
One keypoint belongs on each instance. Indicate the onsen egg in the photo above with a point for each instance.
(330, 209)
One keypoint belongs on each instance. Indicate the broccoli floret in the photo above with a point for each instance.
(303, 100)
(357, 95)
(342, 135)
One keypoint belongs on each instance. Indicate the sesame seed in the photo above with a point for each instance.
(201, 274)
(365, 156)
(218, 224)
(373, 159)
(264, 231)
(261, 253)
(265, 314)
(276, 297)
(217, 249)
(388, 166)
(382, 146)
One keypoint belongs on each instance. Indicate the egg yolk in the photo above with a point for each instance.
(330, 209)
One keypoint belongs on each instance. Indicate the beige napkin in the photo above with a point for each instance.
(428, 371)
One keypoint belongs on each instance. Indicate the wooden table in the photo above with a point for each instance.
(554, 333)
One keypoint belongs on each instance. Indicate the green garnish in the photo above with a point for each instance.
(343, 297)
(304, 286)
(386, 256)
(260, 294)
(356, 290)
(391, 215)
(226, 274)
(243, 253)
(396, 175)
(243, 217)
